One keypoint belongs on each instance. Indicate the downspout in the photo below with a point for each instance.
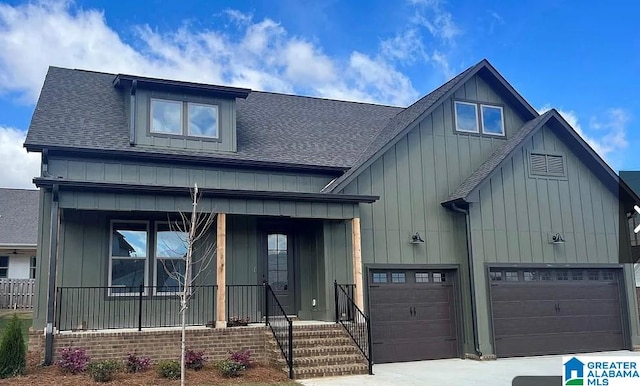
(472, 285)
(132, 115)
(51, 294)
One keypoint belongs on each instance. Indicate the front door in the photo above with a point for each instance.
(278, 268)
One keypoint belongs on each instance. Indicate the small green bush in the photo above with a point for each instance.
(229, 368)
(13, 352)
(103, 371)
(169, 369)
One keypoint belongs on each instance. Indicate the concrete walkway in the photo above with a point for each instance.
(456, 372)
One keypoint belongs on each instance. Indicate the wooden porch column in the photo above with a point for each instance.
(357, 262)
(221, 271)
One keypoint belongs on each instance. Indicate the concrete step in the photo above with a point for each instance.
(330, 371)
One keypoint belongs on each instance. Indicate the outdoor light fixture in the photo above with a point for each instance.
(416, 239)
(556, 238)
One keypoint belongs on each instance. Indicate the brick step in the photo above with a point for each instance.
(334, 355)
(314, 342)
(323, 360)
(302, 352)
(301, 334)
(330, 371)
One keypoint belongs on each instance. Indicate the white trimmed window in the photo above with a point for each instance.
(479, 118)
(183, 118)
(128, 254)
(492, 120)
(466, 117)
(170, 258)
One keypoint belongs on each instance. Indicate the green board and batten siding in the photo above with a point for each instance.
(515, 212)
(95, 170)
(424, 167)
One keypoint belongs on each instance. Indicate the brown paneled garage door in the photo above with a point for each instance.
(412, 315)
(555, 311)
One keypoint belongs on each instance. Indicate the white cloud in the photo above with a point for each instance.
(259, 54)
(17, 166)
(606, 133)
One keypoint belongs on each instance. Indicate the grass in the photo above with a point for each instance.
(25, 319)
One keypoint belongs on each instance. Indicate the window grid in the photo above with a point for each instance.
(379, 277)
(577, 275)
(398, 277)
(422, 277)
(529, 276)
(562, 275)
(511, 276)
(32, 267)
(495, 275)
(439, 277)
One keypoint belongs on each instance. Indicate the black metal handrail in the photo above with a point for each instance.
(281, 325)
(102, 308)
(354, 321)
(245, 303)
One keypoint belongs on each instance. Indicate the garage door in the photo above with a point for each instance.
(551, 311)
(412, 315)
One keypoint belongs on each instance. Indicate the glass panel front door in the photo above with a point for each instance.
(277, 268)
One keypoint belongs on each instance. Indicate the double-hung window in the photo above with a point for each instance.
(170, 258)
(184, 118)
(129, 251)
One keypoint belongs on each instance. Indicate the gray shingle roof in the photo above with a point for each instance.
(398, 124)
(18, 216)
(82, 109)
(495, 160)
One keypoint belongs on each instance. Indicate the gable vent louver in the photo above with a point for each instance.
(546, 165)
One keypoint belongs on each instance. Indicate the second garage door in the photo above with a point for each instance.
(555, 311)
(412, 315)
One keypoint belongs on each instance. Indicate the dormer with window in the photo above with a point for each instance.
(180, 115)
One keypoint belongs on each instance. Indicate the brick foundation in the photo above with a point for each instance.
(159, 345)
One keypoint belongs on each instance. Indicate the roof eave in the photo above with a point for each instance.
(64, 184)
(123, 80)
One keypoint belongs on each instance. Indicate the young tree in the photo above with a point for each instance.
(194, 242)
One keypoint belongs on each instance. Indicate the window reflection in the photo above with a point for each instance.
(277, 261)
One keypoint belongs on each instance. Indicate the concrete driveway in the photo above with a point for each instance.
(456, 372)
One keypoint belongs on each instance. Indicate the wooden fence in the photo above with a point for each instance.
(16, 293)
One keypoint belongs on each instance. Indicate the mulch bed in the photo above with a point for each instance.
(52, 376)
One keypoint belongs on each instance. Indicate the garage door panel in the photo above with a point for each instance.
(559, 325)
(515, 308)
(412, 330)
(403, 351)
(546, 344)
(556, 316)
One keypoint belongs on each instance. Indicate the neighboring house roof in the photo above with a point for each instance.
(563, 130)
(82, 110)
(412, 115)
(18, 217)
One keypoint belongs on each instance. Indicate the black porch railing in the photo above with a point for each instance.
(101, 308)
(281, 326)
(245, 302)
(354, 321)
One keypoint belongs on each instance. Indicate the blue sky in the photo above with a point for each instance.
(582, 60)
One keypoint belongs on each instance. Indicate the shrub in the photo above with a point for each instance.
(169, 369)
(243, 357)
(73, 360)
(194, 359)
(135, 364)
(13, 352)
(103, 371)
(229, 368)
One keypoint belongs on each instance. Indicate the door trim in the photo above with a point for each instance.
(265, 228)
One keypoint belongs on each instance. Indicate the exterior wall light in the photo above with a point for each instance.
(416, 239)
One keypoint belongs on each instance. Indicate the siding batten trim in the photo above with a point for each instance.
(357, 262)
(221, 294)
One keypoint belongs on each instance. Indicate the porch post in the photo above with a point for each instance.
(357, 263)
(221, 298)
